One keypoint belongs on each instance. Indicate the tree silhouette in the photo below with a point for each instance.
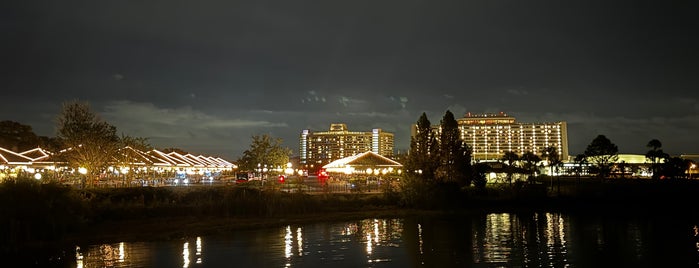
(510, 158)
(655, 155)
(530, 159)
(455, 156)
(265, 152)
(675, 168)
(424, 150)
(17, 137)
(89, 142)
(551, 155)
(602, 153)
(580, 161)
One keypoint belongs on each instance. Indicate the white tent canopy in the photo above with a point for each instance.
(367, 162)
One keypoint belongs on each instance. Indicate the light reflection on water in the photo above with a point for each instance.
(492, 240)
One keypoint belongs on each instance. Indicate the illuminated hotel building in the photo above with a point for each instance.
(320, 148)
(491, 135)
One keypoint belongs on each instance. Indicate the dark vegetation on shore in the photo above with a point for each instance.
(32, 214)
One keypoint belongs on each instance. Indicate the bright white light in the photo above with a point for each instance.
(121, 252)
(37, 176)
(185, 255)
(348, 170)
(299, 239)
(287, 242)
(82, 170)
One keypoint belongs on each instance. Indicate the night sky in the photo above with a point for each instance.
(205, 76)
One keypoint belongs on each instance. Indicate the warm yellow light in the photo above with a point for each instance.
(368, 171)
(37, 176)
(82, 170)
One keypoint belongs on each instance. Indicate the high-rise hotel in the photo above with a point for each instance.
(319, 148)
(491, 135)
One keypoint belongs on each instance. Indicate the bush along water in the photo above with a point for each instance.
(31, 212)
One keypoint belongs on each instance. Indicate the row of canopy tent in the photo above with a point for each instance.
(41, 158)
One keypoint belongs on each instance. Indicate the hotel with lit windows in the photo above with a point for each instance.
(319, 148)
(491, 135)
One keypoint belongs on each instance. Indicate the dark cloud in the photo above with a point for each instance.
(207, 75)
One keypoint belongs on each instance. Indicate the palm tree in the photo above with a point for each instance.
(530, 159)
(579, 160)
(655, 154)
(550, 154)
(510, 157)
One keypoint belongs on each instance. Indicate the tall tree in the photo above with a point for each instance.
(455, 156)
(580, 161)
(530, 160)
(53, 144)
(17, 137)
(602, 153)
(424, 150)
(89, 141)
(510, 158)
(655, 155)
(552, 157)
(264, 151)
(675, 168)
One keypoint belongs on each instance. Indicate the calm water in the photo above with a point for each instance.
(485, 240)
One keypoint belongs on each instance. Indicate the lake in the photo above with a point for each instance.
(533, 239)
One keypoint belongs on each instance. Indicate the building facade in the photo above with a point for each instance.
(319, 148)
(491, 135)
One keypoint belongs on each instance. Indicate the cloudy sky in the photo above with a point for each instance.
(205, 76)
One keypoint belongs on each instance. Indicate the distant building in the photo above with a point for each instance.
(491, 135)
(319, 148)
